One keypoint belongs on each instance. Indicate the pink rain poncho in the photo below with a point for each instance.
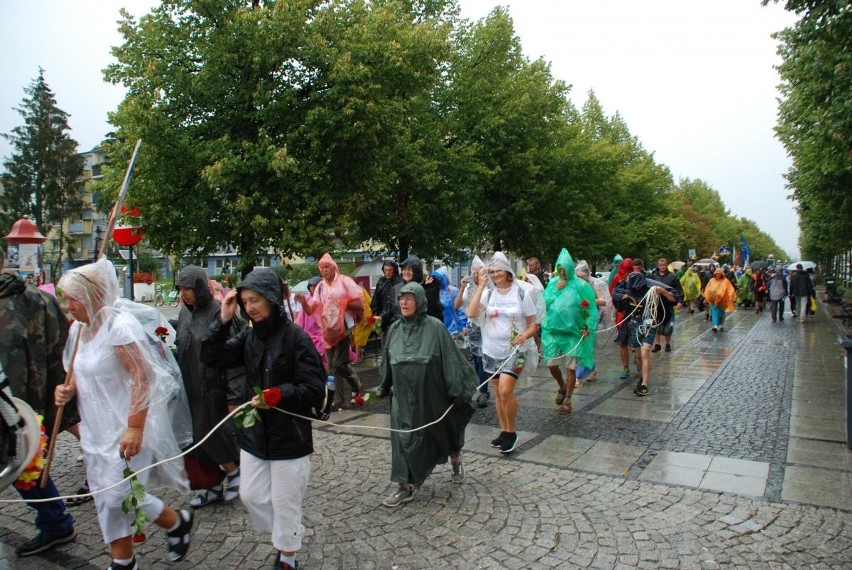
(330, 300)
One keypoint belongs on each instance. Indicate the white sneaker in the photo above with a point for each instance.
(403, 494)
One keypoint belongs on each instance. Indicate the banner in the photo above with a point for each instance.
(746, 251)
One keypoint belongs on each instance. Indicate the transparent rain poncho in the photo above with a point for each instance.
(330, 300)
(606, 313)
(121, 369)
(570, 309)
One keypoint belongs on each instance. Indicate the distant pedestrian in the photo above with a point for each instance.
(337, 304)
(801, 290)
(777, 286)
(622, 319)
(383, 302)
(534, 268)
(691, 285)
(720, 294)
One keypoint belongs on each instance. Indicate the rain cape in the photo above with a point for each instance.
(454, 319)
(424, 372)
(329, 302)
(720, 292)
(606, 313)
(569, 310)
(691, 284)
(121, 369)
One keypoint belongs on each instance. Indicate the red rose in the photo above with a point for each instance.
(124, 209)
(359, 400)
(371, 319)
(134, 212)
(272, 396)
(161, 331)
(584, 304)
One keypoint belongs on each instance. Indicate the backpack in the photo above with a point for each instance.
(319, 410)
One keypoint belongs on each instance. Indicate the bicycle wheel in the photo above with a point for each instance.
(159, 300)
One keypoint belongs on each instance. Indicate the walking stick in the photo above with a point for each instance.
(122, 194)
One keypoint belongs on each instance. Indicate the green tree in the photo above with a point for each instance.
(43, 175)
(814, 121)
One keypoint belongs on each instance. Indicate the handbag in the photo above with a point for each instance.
(202, 474)
(813, 305)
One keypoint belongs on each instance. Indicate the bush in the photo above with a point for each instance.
(227, 279)
(296, 272)
(147, 263)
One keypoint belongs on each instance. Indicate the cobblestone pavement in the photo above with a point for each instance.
(737, 458)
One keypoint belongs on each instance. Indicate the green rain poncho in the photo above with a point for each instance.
(614, 269)
(745, 293)
(424, 372)
(569, 310)
(691, 285)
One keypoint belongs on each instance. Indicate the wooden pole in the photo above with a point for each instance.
(122, 194)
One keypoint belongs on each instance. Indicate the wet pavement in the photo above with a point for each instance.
(736, 458)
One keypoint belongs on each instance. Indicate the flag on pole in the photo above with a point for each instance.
(746, 251)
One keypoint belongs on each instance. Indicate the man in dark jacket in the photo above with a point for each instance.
(669, 279)
(280, 359)
(801, 290)
(210, 391)
(383, 299)
(33, 331)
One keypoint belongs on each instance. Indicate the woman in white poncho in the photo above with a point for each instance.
(127, 385)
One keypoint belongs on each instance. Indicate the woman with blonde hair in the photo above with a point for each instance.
(126, 383)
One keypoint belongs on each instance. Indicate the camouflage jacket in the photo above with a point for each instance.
(33, 331)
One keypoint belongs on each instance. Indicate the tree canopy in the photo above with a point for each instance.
(307, 126)
(815, 121)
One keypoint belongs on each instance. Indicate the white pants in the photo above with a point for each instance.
(273, 492)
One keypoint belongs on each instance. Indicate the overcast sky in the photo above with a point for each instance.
(693, 79)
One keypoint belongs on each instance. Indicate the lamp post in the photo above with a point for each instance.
(98, 236)
(128, 237)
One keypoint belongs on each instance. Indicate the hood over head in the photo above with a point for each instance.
(476, 264)
(265, 282)
(327, 261)
(416, 265)
(94, 285)
(500, 262)
(617, 259)
(626, 267)
(195, 278)
(442, 277)
(636, 280)
(419, 296)
(583, 271)
(566, 262)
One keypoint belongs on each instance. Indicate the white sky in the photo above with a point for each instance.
(693, 79)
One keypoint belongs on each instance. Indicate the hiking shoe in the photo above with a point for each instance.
(668, 348)
(482, 400)
(232, 487)
(130, 566)
(178, 539)
(624, 375)
(42, 542)
(459, 474)
(657, 348)
(510, 443)
(641, 390)
(498, 441)
(403, 494)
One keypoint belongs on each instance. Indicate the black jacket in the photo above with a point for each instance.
(275, 353)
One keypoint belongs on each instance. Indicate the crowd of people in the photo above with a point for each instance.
(134, 399)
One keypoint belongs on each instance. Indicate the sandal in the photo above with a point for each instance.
(77, 501)
(560, 397)
(232, 487)
(566, 409)
(214, 495)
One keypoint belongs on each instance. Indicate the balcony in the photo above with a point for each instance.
(79, 227)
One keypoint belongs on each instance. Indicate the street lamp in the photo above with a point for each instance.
(98, 236)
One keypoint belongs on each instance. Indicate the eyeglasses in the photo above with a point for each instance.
(495, 271)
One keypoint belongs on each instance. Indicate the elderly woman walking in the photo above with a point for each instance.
(425, 373)
(124, 380)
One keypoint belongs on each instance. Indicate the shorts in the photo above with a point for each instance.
(637, 338)
(496, 366)
(622, 334)
(565, 361)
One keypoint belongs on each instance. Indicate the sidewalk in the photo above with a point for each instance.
(737, 457)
